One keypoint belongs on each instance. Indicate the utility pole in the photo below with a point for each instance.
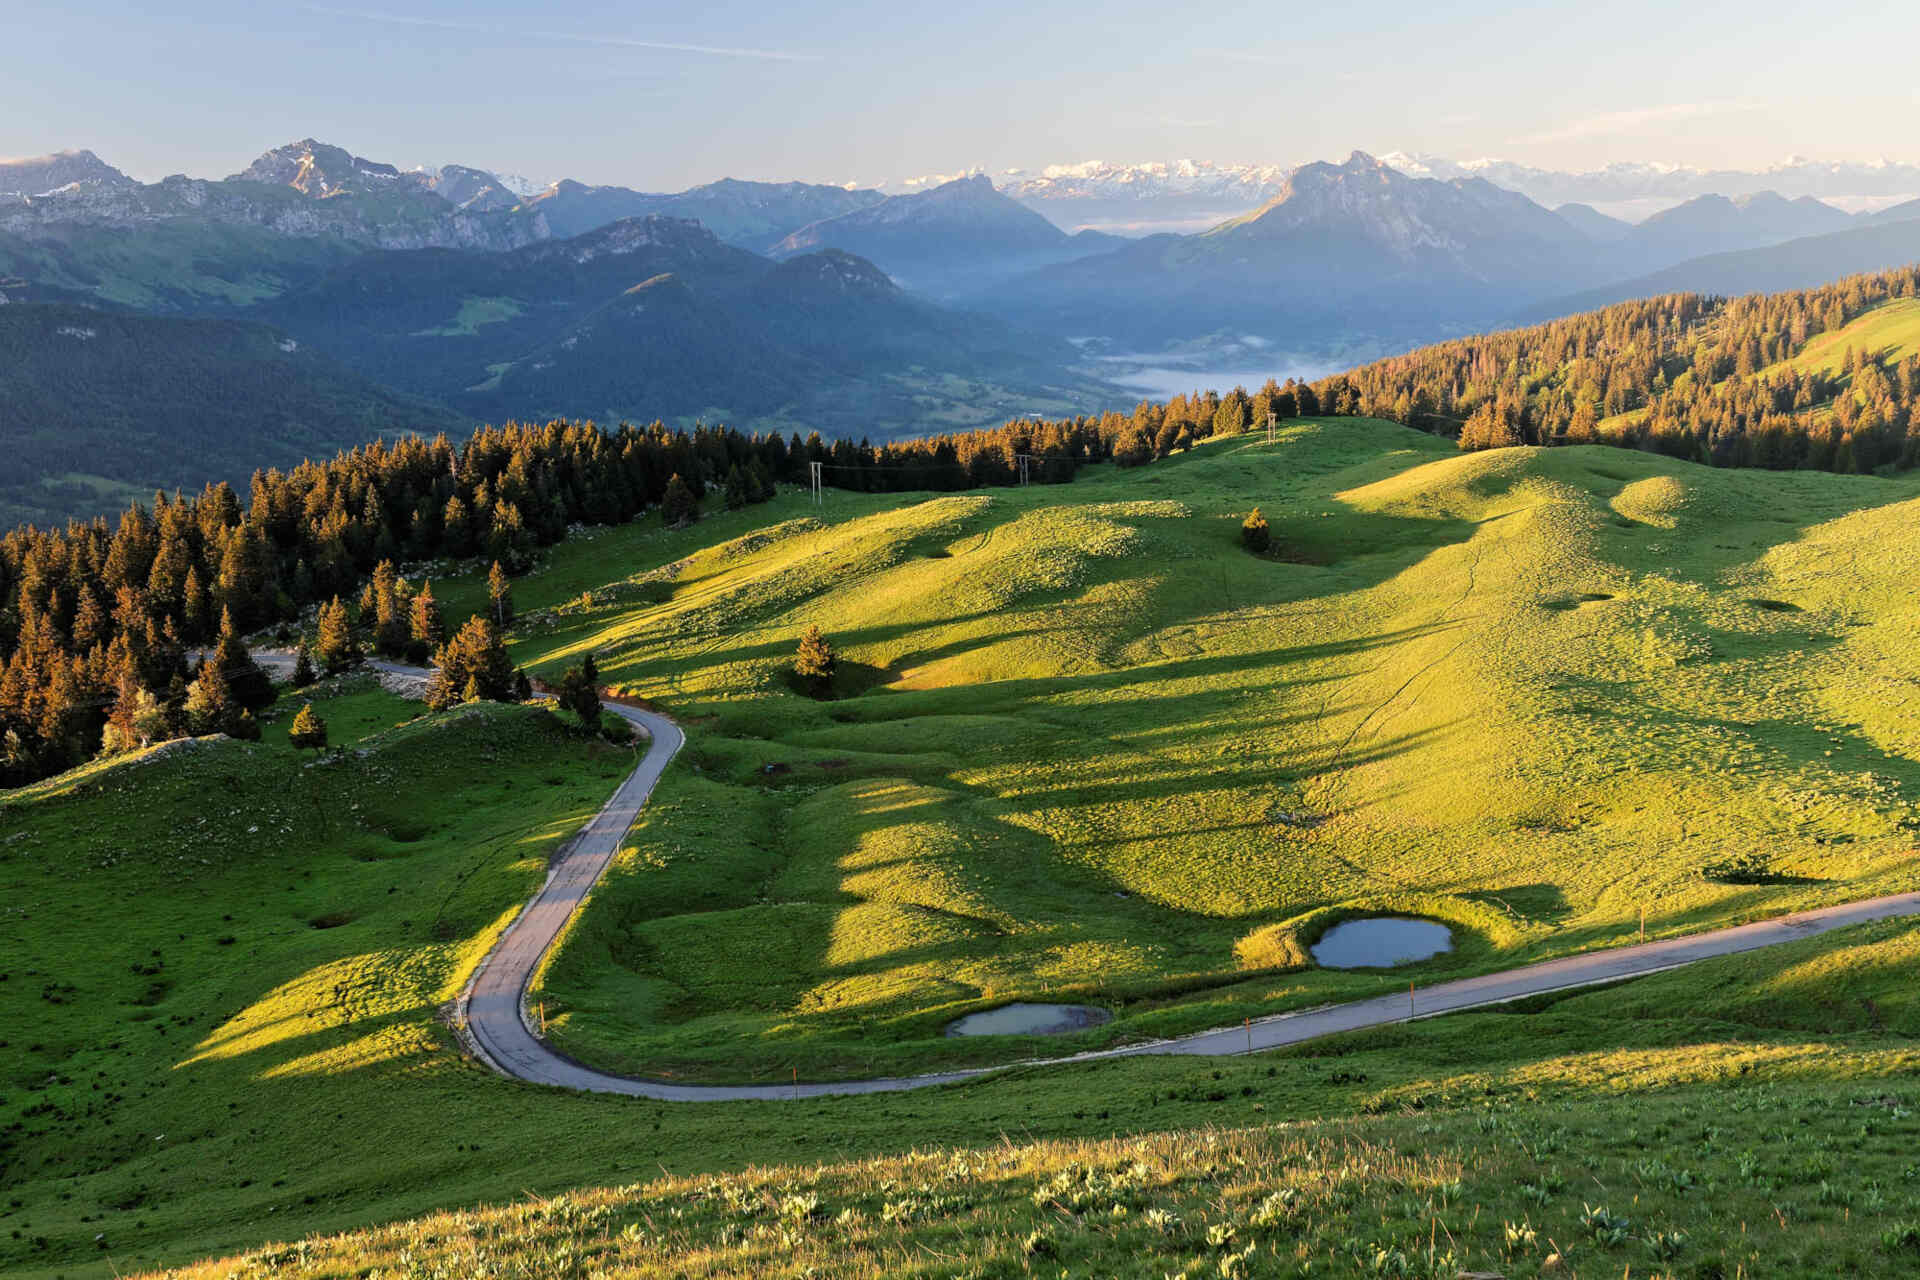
(1270, 418)
(813, 473)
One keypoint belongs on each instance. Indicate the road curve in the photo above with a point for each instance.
(493, 1007)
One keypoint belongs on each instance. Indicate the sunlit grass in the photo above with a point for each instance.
(1088, 747)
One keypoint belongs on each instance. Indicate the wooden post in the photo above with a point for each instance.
(1643, 922)
(1249, 1022)
(543, 1019)
(1409, 1001)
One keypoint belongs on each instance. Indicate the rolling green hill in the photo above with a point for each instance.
(99, 408)
(1092, 750)
(1084, 745)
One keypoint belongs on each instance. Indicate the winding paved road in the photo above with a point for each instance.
(494, 1005)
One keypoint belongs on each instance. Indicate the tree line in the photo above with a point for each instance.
(101, 621)
(1708, 379)
(98, 620)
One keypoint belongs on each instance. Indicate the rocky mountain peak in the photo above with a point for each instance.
(39, 175)
(318, 169)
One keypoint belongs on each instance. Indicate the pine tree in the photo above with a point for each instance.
(814, 662)
(250, 686)
(209, 706)
(738, 492)
(579, 694)
(392, 630)
(1255, 536)
(196, 608)
(309, 730)
(678, 507)
(427, 631)
(522, 687)
(499, 595)
(335, 644)
(302, 668)
(472, 666)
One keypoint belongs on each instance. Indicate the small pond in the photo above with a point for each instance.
(1029, 1020)
(1380, 942)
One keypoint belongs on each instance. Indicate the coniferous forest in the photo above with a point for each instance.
(101, 619)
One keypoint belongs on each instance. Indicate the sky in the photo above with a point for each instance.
(663, 96)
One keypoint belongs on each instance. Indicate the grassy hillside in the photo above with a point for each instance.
(1889, 333)
(1090, 749)
(96, 406)
(1749, 1117)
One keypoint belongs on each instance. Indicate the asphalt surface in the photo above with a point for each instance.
(499, 1026)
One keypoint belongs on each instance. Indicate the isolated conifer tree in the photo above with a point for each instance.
(580, 695)
(499, 595)
(1255, 536)
(815, 661)
(472, 666)
(302, 668)
(426, 629)
(244, 727)
(335, 643)
(522, 687)
(309, 731)
(678, 506)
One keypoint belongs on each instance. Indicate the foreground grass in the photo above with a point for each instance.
(1086, 748)
(297, 1079)
(1695, 1137)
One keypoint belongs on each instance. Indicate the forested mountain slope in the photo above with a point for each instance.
(97, 407)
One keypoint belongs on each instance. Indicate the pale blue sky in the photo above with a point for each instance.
(664, 96)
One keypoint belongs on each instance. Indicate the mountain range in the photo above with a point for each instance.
(98, 408)
(800, 306)
(1190, 195)
(656, 317)
(954, 239)
(1360, 255)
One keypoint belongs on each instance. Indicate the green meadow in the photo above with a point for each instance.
(1753, 1117)
(1082, 746)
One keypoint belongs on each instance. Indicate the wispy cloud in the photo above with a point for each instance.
(1612, 123)
(601, 40)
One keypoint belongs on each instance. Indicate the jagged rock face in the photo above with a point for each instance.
(319, 170)
(43, 174)
(473, 190)
(307, 189)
